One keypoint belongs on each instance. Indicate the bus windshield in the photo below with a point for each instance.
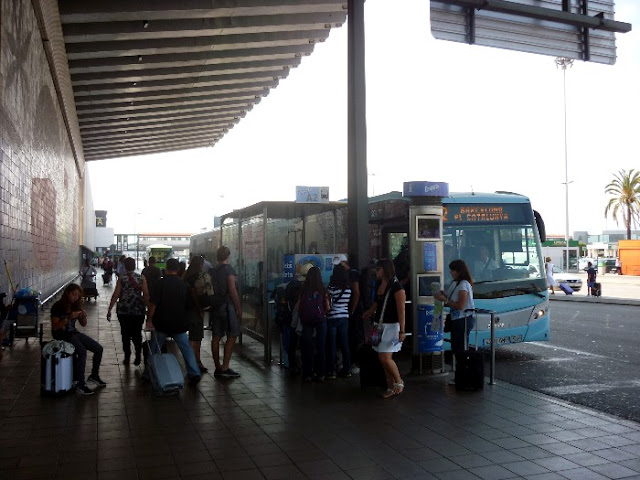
(500, 250)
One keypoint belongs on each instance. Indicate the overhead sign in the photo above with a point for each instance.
(561, 28)
(312, 194)
(425, 189)
(454, 214)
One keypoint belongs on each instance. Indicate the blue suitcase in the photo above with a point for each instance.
(566, 288)
(165, 373)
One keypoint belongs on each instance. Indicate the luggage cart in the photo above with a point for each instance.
(24, 316)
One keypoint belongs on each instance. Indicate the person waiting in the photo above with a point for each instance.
(64, 315)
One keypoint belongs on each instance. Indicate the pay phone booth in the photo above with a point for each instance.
(427, 268)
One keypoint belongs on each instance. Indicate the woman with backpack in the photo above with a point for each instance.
(133, 297)
(338, 322)
(388, 307)
(313, 306)
(199, 283)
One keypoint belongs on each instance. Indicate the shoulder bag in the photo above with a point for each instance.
(373, 334)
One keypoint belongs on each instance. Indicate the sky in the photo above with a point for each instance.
(479, 118)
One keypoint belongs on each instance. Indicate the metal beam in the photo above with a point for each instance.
(147, 151)
(197, 27)
(81, 11)
(543, 13)
(79, 51)
(186, 72)
(181, 60)
(358, 207)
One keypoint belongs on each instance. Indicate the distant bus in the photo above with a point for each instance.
(161, 252)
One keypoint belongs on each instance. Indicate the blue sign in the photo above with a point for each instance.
(430, 256)
(425, 189)
(430, 335)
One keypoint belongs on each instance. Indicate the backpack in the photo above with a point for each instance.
(311, 308)
(204, 290)
(219, 275)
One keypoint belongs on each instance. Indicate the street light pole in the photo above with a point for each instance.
(563, 63)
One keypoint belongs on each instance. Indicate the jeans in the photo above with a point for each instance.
(339, 328)
(82, 343)
(309, 344)
(182, 340)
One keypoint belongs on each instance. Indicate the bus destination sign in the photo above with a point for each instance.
(484, 213)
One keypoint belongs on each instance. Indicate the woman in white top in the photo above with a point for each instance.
(548, 268)
(459, 299)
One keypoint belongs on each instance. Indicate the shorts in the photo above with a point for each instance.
(389, 342)
(224, 321)
(196, 325)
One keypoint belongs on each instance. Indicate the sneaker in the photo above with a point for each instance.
(97, 381)
(136, 362)
(84, 390)
(355, 370)
(228, 373)
(217, 373)
(344, 374)
(202, 368)
(331, 376)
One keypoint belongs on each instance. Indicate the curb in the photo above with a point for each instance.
(606, 300)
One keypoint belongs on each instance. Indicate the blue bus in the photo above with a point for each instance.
(498, 235)
(501, 224)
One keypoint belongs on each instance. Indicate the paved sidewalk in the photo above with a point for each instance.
(267, 426)
(616, 289)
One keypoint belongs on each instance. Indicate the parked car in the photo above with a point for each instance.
(571, 279)
(583, 263)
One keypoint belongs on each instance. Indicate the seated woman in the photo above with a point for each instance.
(64, 315)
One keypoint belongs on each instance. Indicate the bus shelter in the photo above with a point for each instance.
(260, 235)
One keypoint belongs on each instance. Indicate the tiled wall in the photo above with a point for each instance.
(39, 182)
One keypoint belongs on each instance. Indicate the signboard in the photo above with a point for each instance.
(470, 214)
(425, 189)
(312, 194)
(560, 28)
(430, 335)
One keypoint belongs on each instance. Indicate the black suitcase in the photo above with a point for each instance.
(469, 374)
(371, 371)
(596, 290)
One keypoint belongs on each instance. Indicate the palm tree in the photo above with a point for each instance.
(625, 188)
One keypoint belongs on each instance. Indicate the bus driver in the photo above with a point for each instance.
(484, 266)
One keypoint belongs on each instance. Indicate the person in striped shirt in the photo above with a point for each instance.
(338, 322)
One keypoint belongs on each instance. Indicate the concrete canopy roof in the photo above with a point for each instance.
(153, 76)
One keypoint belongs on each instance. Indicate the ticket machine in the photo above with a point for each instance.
(427, 267)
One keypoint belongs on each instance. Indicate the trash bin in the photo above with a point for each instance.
(601, 267)
(430, 336)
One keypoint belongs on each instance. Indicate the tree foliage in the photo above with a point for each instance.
(625, 198)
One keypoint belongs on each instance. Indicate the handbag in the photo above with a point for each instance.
(373, 334)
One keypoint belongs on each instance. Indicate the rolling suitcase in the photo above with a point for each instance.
(566, 288)
(469, 374)
(164, 372)
(56, 368)
(596, 290)
(371, 371)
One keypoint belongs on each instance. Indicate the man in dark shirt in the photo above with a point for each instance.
(168, 315)
(152, 274)
(591, 279)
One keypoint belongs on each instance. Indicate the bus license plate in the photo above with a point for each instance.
(504, 340)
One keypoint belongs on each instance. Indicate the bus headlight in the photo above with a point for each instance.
(540, 310)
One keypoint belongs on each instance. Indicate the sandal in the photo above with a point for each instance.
(389, 392)
(398, 388)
